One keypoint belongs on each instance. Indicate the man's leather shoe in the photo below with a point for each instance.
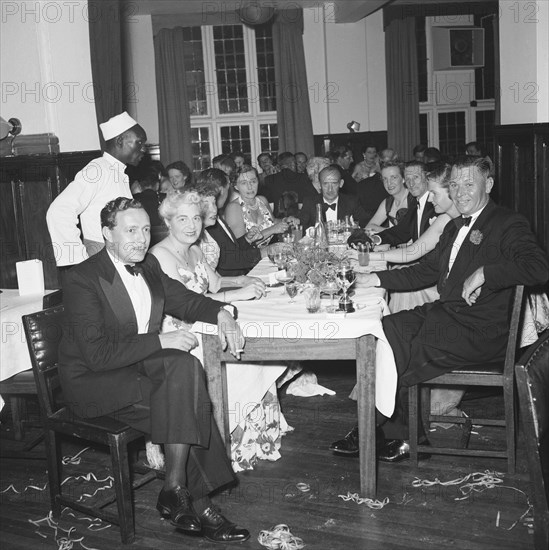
(176, 505)
(347, 446)
(395, 450)
(217, 528)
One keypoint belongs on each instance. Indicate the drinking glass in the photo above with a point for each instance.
(311, 293)
(291, 289)
(331, 288)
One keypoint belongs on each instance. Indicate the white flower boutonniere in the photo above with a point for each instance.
(476, 237)
(432, 220)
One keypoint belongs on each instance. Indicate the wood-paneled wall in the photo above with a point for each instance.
(28, 185)
(522, 173)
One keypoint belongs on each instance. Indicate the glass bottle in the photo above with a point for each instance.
(320, 232)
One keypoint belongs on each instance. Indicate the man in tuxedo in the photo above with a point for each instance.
(286, 180)
(417, 220)
(114, 362)
(335, 205)
(236, 256)
(480, 258)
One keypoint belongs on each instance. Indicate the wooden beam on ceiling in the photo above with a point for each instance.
(355, 10)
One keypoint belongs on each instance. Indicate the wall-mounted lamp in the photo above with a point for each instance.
(12, 126)
(353, 126)
(254, 13)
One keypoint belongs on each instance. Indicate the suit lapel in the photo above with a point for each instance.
(115, 291)
(469, 249)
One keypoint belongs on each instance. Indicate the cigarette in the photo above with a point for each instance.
(239, 350)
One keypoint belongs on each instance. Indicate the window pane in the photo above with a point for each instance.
(193, 59)
(451, 131)
(200, 138)
(265, 67)
(269, 138)
(236, 138)
(230, 68)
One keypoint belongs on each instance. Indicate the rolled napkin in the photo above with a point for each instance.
(30, 277)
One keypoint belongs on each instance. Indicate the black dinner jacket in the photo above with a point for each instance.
(371, 192)
(287, 180)
(501, 242)
(100, 347)
(236, 257)
(346, 206)
(406, 228)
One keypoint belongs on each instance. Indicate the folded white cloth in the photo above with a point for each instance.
(306, 385)
(308, 390)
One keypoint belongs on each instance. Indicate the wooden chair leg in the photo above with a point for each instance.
(16, 405)
(52, 452)
(414, 420)
(122, 487)
(510, 426)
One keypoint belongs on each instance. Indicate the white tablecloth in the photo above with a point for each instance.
(274, 317)
(14, 355)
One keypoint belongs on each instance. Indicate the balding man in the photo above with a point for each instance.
(99, 182)
(335, 205)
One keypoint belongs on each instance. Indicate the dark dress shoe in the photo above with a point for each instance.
(395, 450)
(176, 505)
(217, 528)
(347, 446)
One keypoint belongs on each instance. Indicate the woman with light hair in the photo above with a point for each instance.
(256, 422)
(314, 167)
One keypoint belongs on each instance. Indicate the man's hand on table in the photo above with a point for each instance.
(368, 279)
(178, 339)
(230, 334)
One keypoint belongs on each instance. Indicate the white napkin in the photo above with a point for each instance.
(308, 390)
(306, 385)
(30, 277)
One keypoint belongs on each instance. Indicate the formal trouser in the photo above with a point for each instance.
(416, 361)
(176, 408)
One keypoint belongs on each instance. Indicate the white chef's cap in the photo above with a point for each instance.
(117, 125)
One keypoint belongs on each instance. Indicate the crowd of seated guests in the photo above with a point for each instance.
(285, 180)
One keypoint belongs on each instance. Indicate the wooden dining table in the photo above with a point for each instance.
(277, 330)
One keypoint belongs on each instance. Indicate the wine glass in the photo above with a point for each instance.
(291, 289)
(279, 259)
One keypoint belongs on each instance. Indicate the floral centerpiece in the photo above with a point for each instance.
(316, 265)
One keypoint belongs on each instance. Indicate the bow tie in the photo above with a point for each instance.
(332, 206)
(134, 269)
(462, 221)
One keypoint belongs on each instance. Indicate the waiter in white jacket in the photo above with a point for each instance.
(99, 182)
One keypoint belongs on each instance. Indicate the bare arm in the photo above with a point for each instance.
(379, 217)
(426, 242)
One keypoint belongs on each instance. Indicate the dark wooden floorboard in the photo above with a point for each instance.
(415, 518)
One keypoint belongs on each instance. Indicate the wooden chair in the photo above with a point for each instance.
(490, 374)
(532, 371)
(43, 331)
(20, 386)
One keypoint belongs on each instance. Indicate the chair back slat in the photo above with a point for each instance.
(515, 325)
(43, 330)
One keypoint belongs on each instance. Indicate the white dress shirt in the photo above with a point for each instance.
(460, 237)
(331, 215)
(100, 181)
(140, 294)
(421, 202)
